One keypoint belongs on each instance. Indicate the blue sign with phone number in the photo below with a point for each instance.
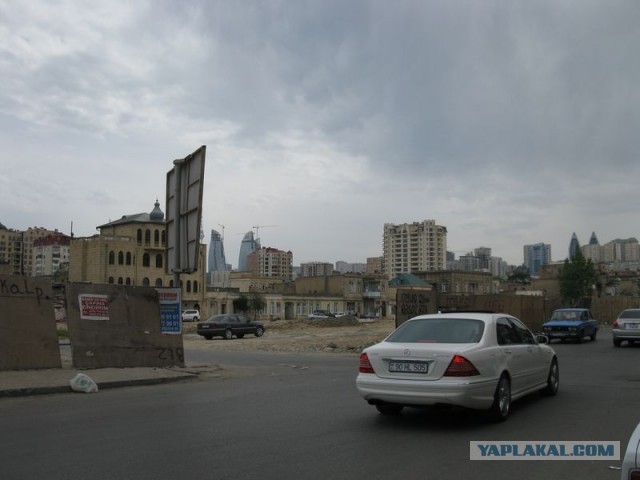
(170, 318)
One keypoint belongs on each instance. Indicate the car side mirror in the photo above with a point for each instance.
(543, 339)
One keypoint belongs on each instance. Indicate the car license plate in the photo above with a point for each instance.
(408, 367)
(633, 325)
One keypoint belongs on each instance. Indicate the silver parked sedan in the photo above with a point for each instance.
(475, 360)
(626, 327)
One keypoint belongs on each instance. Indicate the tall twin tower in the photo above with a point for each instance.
(217, 259)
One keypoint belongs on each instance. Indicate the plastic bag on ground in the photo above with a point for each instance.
(83, 383)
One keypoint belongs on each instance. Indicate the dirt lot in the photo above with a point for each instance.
(333, 336)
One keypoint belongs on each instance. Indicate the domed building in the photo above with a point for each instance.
(132, 251)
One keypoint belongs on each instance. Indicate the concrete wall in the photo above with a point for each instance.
(28, 334)
(122, 330)
(533, 311)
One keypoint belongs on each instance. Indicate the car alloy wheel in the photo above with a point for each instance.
(228, 334)
(259, 332)
(501, 407)
(553, 380)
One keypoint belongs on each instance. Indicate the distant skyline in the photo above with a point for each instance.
(511, 123)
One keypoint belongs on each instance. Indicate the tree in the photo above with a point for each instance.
(241, 304)
(577, 278)
(520, 275)
(256, 303)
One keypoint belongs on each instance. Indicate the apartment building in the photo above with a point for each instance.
(316, 269)
(16, 248)
(414, 247)
(271, 262)
(50, 254)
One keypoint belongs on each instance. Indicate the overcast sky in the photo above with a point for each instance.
(508, 122)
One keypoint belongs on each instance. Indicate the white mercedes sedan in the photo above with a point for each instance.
(480, 361)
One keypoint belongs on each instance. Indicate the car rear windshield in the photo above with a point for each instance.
(439, 330)
(630, 314)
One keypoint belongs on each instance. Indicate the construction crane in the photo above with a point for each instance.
(258, 227)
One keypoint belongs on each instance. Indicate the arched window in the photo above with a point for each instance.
(159, 260)
(188, 286)
(147, 237)
(139, 236)
(128, 258)
(195, 286)
(145, 260)
(145, 282)
(111, 280)
(112, 257)
(158, 282)
(156, 237)
(120, 258)
(120, 281)
(164, 237)
(171, 283)
(127, 281)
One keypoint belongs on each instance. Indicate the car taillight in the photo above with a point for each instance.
(616, 324)
(365, 364)
(460, 367)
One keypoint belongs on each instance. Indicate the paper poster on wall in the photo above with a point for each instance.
(93, 307)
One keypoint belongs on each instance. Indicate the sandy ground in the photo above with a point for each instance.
(301, 336)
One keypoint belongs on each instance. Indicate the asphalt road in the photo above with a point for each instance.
(299, 417)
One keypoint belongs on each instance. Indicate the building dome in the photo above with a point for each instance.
(156, 213)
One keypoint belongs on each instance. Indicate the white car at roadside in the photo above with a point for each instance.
(631, 460)
(191, 316)
(474, 360)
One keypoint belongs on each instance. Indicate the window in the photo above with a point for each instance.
(128, 258)
(188, 286)
(111, 280)
(147, 237)
(139, 236)
(127, 281)
(195, 286)
(159, 260)
(523, 332)
(145, 260)
(145, 282)
(156, 237)
(120, 281)
(158, 282)
(112, 258)
(506, 333)
(120, 258)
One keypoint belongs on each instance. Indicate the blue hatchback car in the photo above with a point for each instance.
(572, 323)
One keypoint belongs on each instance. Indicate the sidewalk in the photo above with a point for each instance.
(16, 383)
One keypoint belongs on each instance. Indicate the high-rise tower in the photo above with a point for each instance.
(217, 260)
(574, 245)
(248, 245)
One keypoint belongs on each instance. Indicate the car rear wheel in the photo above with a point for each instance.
(228, 334)
(501, 407)
(389, 408)
(553, 379)
(259, 332)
